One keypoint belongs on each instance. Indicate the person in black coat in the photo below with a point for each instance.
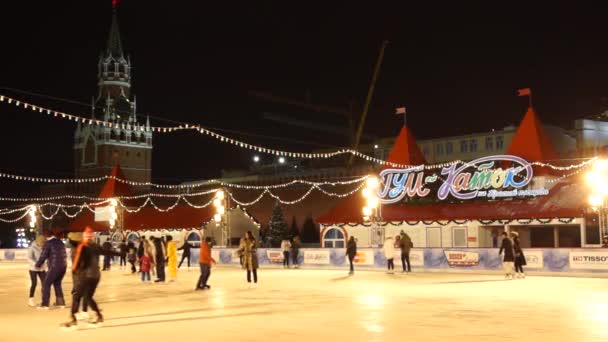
(351, 252)
(159, 248)
(54, 252)
(509, 257)
(107, 258)
(520, 259)
(85, 268)
(185, 254)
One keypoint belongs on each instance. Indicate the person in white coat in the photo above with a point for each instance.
(285, 246)
(389, 253)
(33, 254)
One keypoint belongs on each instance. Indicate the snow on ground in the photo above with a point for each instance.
(320, 305)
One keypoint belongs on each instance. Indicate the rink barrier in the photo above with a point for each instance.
(588, 260)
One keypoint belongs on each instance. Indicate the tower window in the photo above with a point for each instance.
(142, 139)
(113, 135)
(89, 152)
(133, 137)
(123, 136)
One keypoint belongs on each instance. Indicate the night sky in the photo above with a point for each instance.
(456, 67)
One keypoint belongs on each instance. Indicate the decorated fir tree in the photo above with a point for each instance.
(279, 229)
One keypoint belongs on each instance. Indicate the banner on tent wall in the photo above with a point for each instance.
(589, 260)
(534, 258)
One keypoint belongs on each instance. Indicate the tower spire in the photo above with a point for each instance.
(114, 47)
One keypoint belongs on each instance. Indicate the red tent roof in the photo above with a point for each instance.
(182, 216)
(114, 188)
(563, 201)
(530, 141)
(405, 149)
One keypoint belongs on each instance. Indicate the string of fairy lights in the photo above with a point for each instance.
(238, 143)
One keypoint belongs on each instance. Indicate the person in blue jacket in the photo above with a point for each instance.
(53, 252)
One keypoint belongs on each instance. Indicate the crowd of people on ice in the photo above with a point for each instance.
(48, 261)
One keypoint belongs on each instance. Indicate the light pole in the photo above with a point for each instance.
(597, 180)
(220, 202)
(372, 211)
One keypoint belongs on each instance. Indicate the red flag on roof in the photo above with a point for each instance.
(524, 92)
(400, 110)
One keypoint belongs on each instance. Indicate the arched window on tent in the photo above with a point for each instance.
(132, 237)
(123, 136)
(113, 135)
(194, 239)
(89, 151)
(334, 238)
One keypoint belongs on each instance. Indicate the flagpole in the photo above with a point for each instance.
(530, 98)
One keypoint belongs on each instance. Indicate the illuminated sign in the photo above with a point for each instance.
(483, 177)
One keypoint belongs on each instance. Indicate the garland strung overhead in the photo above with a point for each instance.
(225, 139)
(457, 222)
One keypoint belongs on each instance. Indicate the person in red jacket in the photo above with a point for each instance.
(205, 260)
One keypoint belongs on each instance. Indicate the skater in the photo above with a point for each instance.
(351, 252)
(54, 252)
(249, 249)
(122, 247)
(131, 256)
(107, 258)
(141, 247)
(509, 257)
(74, 239)
(185, 254)
(171, 258)
(295, 251)
(205, 260)
(86, 269)
(159, 259)
(285, 246)
(605, 242)
(389, 253)
(520, 258)
(405, 244)
(145, 264)
(33, 255)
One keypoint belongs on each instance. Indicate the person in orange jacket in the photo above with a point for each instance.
(205, 260)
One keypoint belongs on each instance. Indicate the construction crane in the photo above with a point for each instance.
(368, 99)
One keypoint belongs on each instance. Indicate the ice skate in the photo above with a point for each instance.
(31, 302)
(69, 326)
(97, 322)
(40, 307)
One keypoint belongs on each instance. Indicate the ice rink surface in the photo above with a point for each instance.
(320, 305)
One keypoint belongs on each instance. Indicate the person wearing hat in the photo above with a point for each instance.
(85, 267)
(520, 259)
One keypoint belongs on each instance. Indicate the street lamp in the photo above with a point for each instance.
(371, 211)
(281, 160)
(597, 180)
(256, 159)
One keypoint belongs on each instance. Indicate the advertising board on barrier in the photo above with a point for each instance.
(274, 257)
(462, 259)
(534, 258)
(589, 260)
(416, 258)
(13, 254)
(364, 257)
(316, 257)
